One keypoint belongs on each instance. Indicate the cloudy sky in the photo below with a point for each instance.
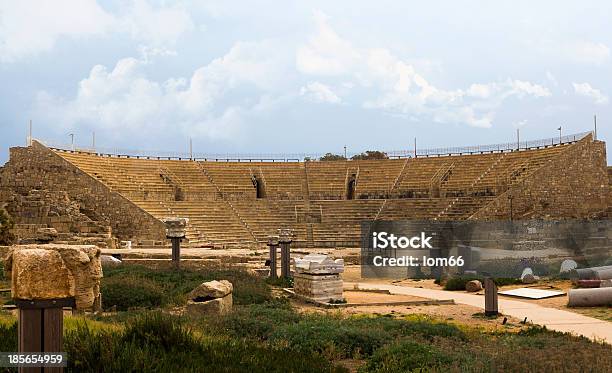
(302, 76)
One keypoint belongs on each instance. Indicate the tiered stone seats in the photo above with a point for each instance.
(375, 179)
(133, 178)
(283, 180)
(221, 201)
(264, 217)
(191, 178)
(327, 180)
(234, 179)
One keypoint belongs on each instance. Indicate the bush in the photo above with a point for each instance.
(161, 343)
(175, 285)
(6, 224)
(370, 154)
(8, 336)
(407, 356)
(330, 336)
(332, 157)
(257, 321)
(125, 292)
(458, 282)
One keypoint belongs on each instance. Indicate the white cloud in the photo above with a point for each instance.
(585, 89)
(158, 26)
(212, 102)
(575, 51)
(588, 52)
(31, 27)
(319, 92)
(28, 27)
(394, 85)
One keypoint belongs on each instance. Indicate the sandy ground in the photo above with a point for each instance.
(454, 313)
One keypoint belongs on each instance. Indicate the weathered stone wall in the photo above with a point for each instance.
(572, 185)
(38, 168)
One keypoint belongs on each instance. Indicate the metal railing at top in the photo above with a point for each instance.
(298, 157)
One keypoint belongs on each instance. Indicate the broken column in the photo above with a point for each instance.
(212, 297)
(590, 297)
(46, 278)
(273, 245)
(491, 308)
(176, 230)
(317, 278)
(285, 239)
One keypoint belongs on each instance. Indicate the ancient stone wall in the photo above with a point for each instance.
(572, 185)
(36, 168)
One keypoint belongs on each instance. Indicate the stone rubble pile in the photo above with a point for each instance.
(317, 277)
(212, 297)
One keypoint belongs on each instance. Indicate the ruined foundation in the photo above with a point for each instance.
(317, 278)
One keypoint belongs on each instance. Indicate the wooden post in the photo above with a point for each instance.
(491, 308)
(40, 328)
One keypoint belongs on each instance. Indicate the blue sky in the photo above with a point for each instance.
(307, 76)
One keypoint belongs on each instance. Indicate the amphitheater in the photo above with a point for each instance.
(93, 197)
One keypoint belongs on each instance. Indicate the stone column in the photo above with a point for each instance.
(491, 308)
(273, 245)
(44, 279)
(285, 244)
(176, 230)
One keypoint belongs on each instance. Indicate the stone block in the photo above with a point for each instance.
(55, 271)
(211, 289)
(473, 286)
(218, 306)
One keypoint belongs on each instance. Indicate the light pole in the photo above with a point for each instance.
(559, 135)
(344, 151)
(71, 141)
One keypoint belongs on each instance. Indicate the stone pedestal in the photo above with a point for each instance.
(317, 277)
(176, 230)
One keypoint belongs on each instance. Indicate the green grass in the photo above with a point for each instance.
(134, 286)
(267, 334)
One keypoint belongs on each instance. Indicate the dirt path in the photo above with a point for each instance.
(552, 318)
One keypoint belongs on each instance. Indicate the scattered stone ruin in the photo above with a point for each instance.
(212, 297)
(41, 272)
(317, 278)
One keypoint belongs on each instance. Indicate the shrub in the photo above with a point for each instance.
(332, 157)
(370, 154)
(156, 342)
(331, 336)
(175, 285)
(6, 224)
(8, 336)
(257, 321)
(125, 292)
(458, 282)
(407, 356)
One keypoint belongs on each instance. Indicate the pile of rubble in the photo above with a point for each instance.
(317, 278)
